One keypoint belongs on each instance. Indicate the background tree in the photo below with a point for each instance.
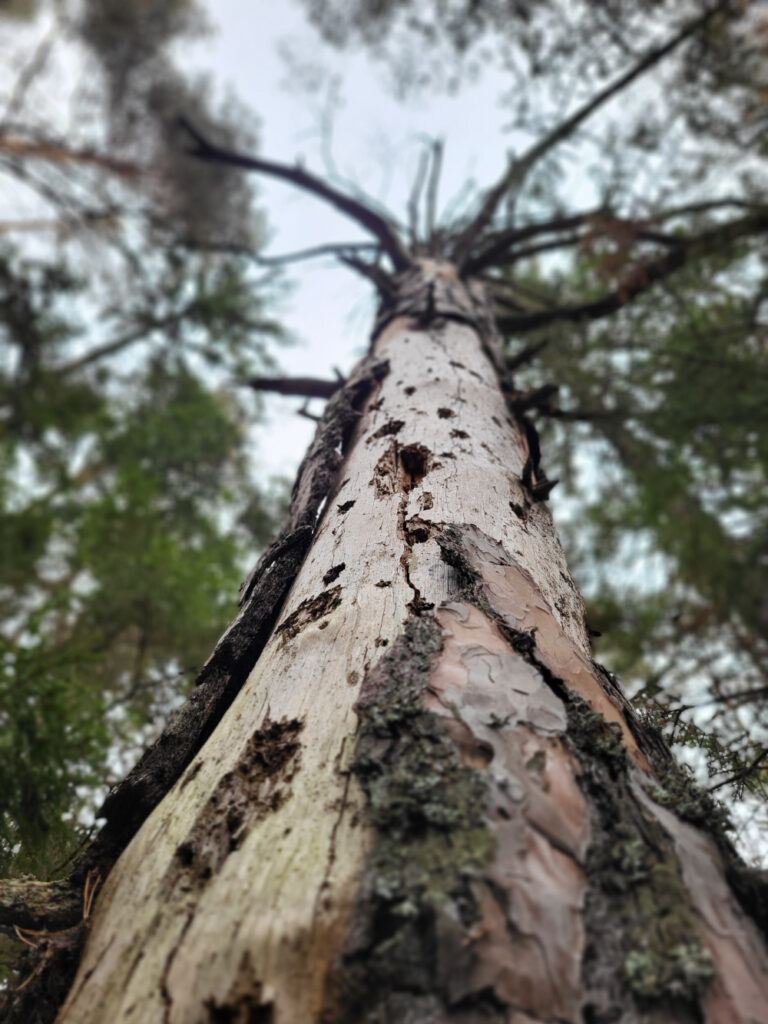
(128, 499)
(664, 391)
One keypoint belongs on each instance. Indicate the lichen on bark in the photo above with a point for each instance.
(428, 811)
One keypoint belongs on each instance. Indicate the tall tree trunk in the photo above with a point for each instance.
(426, 803)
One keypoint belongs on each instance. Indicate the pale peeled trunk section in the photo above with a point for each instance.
(167, 943)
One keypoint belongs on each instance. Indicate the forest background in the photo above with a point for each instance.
(141, 291)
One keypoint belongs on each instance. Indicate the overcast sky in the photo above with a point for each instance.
(376, 143)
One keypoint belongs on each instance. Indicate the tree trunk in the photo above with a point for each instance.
(426, 803)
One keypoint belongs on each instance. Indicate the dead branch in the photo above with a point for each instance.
(303, 387)
(372, 271)
(640, 278)
(281, 259)
(29, 904)
(413, 199)
(30, 71)
(500, 242)
(525, 355)
(118, 344)
(367, 218)
(517, 169)
(56, 152)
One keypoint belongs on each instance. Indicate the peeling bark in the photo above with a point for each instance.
(420, 800)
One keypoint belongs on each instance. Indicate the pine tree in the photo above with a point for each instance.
(403, 790)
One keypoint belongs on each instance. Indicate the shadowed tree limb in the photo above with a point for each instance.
(304, 387)
(283, 258)
(367, 218)
(525, 355)
(577, 238)
(518, 169)
(57, 152)
(26, 903)
(741, 775)
(500, 242)
(372, 271)
(641, 278)
(140, 333)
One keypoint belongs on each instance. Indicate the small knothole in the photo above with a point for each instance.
(445, 414)
(186, 854)
(409, 391)
(460, 434)
(482, 754)
(415, 462)
(384, 583)
(345, 507)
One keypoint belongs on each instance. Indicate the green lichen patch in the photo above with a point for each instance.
(589, 731)
(643, 934)
(679, 791)
(428, 811)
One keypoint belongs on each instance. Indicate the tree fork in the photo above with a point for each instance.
(426, 802)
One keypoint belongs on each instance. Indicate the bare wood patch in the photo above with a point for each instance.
(310, 610)
(259, 785)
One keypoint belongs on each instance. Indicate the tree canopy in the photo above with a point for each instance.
(132, 305)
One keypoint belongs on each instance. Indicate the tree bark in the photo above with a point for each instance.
(427, 803)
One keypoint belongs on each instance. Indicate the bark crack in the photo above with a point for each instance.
(164, 992)
(332, 847)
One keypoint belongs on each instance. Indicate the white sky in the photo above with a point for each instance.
(376, 143)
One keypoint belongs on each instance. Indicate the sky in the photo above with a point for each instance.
(376, 142)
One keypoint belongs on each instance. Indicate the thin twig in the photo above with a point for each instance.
(118, 344)
(641, 278)
(432, 187)
(372, 271)
(368, 219)
(304, 387)
(57, 152)
(742, 774)
(30, 71)
(517, 169)
(502, 241)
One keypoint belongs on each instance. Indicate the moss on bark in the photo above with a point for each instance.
(428, 810)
